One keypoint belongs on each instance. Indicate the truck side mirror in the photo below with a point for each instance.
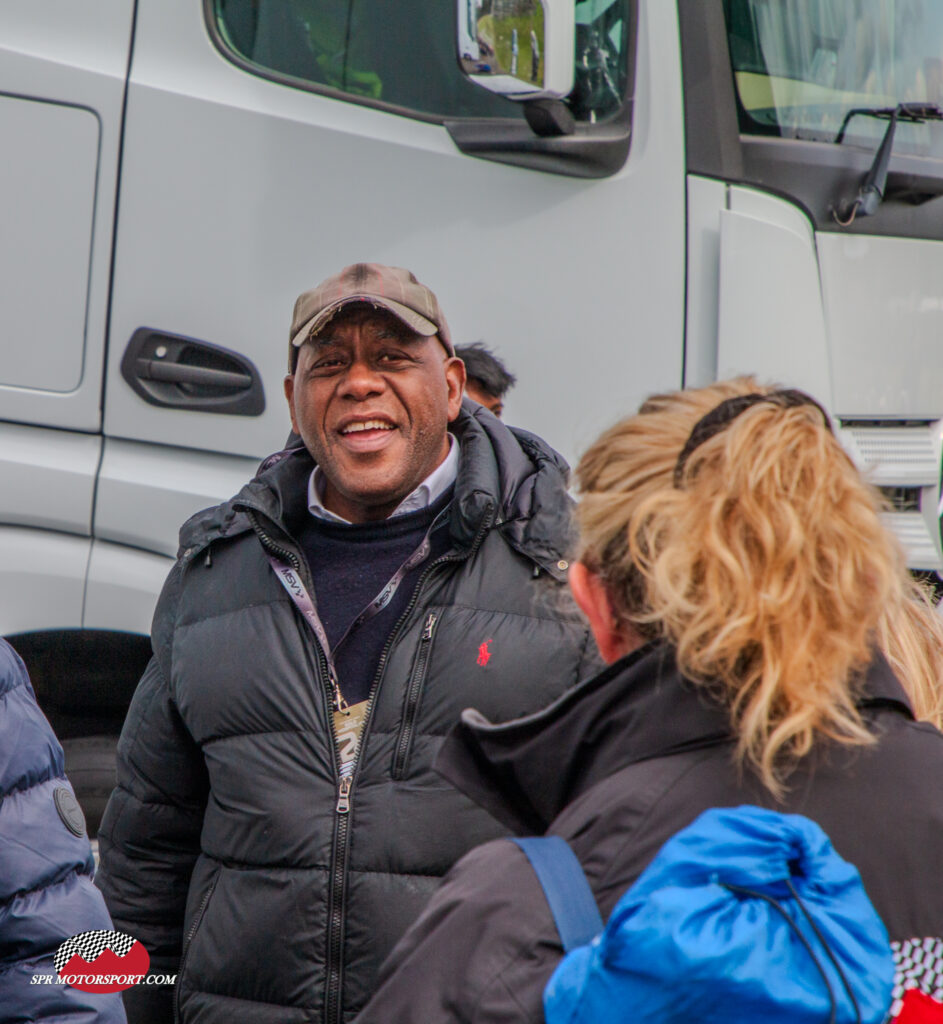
(522, 49)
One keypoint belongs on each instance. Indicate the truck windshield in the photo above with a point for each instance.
(801, 65)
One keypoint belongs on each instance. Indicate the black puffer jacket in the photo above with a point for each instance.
(616, 767)
(225, 842)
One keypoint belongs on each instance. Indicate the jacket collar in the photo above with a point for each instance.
(636, 709)
(507, 478)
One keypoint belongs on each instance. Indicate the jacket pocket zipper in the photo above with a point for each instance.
(404, 740)
(204, 903)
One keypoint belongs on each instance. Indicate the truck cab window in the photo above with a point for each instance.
(403, 53)
(801, 66)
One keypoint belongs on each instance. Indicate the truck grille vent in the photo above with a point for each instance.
(911, 531)
(895, 455)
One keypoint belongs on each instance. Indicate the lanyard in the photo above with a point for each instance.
(298, 592)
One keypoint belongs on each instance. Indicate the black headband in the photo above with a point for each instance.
(721, 415)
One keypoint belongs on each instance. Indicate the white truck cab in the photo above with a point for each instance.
(622, 196)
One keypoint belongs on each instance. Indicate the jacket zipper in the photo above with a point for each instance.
(413, 693)
(338, 868)
(277, 549)
(186, 946)
(338, 898)
(332, 1004)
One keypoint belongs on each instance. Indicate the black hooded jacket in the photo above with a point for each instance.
(226, 848)
(616, 767)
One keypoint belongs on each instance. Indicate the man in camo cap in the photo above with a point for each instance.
(277, 822)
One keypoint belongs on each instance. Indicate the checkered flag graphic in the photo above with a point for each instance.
(90, 945)
(919, 964)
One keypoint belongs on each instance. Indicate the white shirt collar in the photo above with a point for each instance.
(432, 488)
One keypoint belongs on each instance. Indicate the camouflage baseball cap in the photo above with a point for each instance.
(391, 288)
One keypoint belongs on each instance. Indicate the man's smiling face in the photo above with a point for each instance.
(372, 402)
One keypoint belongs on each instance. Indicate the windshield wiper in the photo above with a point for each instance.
(871, 192)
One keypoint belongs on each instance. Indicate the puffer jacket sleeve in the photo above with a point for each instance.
(46, 890)
(149, 838)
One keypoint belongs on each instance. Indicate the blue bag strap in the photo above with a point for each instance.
(568, 893)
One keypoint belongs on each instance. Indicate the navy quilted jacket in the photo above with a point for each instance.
(46, 891)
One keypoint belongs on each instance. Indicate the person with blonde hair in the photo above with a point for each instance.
(766, 645)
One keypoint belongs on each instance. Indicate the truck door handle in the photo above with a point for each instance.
(182, 373)
(175, 371)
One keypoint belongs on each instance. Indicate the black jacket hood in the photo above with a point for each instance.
(638, 708)
(507, 478)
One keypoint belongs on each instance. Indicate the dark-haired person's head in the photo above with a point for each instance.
(487, 378)
(730, 522)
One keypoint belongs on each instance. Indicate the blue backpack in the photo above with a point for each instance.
(746, 915)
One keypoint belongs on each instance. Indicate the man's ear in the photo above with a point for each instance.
(455, 380)
(613, 639)
(290, 396)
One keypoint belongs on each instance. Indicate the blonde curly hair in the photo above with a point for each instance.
(761, 557)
